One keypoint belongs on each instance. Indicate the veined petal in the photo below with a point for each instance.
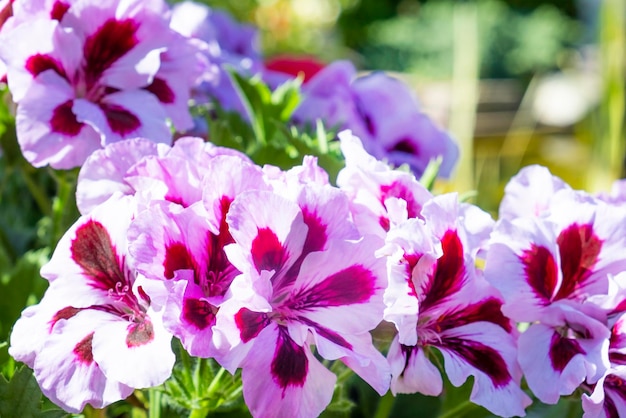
(54, 49)
(95, 246)
(269, 229)
(281, 378)
(412, 371)
(529, 193)
(608, 399)
(67, 372)
(487, 352)
(411, 252)
(103, 173)
(227, 177)
(341, 288)
(556, 364)
(523, 264)
(360, 355)
(137, 353)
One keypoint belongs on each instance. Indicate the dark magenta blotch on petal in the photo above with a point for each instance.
(449, 274)
(562, 350)
(64, 120)
(65, 313)
(39, 63)
(107, 44)
(579, 249)
(352, 285)
(541, 271)
(177, 257)
(268, 252)
(140, 333)
(162, 91)
(120, 120)
(94, 252)
(198, 312)
(487, 310)
(326, 333)
(59, 8)
(290, 364)
(250, 323)
(482, 357)
(83, 350)
(405, 145)
(401, 191)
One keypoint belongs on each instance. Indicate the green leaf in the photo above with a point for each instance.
(21, 397)
(21, 286)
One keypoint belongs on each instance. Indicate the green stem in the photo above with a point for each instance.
(199, 412)
(215, 382)
(38, 194)
(456, 411)
(385, 405)
(154, 410)
(64, 205)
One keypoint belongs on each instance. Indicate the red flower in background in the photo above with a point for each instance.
(294, 65)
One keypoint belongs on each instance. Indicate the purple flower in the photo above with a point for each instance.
(381, 111)
(224, 43)
(182, 251)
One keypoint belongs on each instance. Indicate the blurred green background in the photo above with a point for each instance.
(517, 82)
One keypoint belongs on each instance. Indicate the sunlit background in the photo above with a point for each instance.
(517, 82)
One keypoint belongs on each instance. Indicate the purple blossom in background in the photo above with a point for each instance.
(382, 112)
(224, 43)
(85, 75)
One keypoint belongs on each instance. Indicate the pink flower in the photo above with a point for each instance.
(530, 192)
(607, 397)
(303, 282)
(380, 197)
(88, 74)
(553, 268)
(94, 337)
(182, 251)
(139, 166)
(437, 298)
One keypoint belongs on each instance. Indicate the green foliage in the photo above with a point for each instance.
(267, 138)
(202, 386)
(21, 398)
(512, 43)
(20, 286)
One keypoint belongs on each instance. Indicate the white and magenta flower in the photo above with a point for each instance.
(88, 74)
(553, 268)
(379, 196)
(302, 284)
(94, 337)
(438, 299)
(607, 397)
(152, 171)
(182, 251)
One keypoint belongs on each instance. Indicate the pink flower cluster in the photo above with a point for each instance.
(273, 271)
(270, 271)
